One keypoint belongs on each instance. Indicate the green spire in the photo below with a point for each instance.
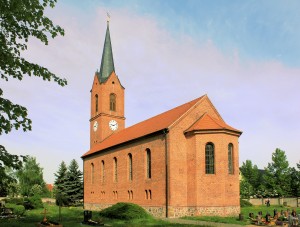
(107, 62)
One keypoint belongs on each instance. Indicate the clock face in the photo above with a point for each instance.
(95, 126)
(113, 125)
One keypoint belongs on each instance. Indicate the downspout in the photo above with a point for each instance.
(83, 183)
(167, 171)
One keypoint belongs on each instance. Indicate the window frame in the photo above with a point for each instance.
(230, 159)
(148, 164)
(209, 158)
(112, 102)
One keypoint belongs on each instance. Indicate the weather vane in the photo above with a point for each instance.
(108, 16)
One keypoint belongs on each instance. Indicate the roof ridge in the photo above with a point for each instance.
(198, 100)
(167, 111)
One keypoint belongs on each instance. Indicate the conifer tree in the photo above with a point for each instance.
(60, 183)
(74, 184)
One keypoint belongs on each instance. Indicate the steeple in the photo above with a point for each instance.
(107, 62)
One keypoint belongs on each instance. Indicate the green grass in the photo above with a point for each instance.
(245, 212)
(128, 215)
(227, 220)
(72, 217)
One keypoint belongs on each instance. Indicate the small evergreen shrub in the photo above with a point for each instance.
(17, 209)
(245, 203)
(33, 202)
(125, 211)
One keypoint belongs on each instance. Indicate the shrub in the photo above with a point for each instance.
(17, 201)
(125, 211)
(17, 209)
(33, 202)
(245, 203)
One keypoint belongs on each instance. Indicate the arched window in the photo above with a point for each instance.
(112, 102)
(115, 169)
(209, 158)
(230, 158)
(92, 173)
(150, 195)
(146, 194)
(130, 167)
(103, 170)
(96, 102)
(148, 161)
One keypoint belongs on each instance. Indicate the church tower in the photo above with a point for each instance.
(107, 98)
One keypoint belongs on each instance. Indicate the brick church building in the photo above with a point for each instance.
(181, 162)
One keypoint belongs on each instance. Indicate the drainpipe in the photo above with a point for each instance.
(167, 171)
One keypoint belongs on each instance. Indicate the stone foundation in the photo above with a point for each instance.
(174, 212)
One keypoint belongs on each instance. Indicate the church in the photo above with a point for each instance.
(182, 162)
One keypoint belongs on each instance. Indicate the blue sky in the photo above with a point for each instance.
(245, 55)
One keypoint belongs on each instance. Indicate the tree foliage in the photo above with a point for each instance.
(251, 183)
(295, 181)
(277, 176)
(60, 184)
(31, 178)
(74, 185)
(68, 184)
(20, 21)
(8, 162)
(277, 180)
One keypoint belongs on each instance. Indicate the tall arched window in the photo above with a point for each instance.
(115, 169)
(148, 161)
(103, 170)
(209, 158)
(230, 158)
(92, 173)
(96, 102)
(112, 102)
(130, 167)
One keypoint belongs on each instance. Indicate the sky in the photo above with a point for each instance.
(245, 55)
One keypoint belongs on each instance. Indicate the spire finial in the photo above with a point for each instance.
(108, 17)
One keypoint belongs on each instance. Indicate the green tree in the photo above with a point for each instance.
(295, 181)
(30, 176)
(246, 189)
(60, 184)
(277, 176)
(74, 185)
(11, 183)
(252, 176)
(19, 21)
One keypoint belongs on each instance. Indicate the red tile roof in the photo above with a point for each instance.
(151, 125)
(207, 122)
(49, 187)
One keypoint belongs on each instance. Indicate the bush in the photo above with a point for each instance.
(17, 201)
(17, 209)
(33, 202)
(125, 211)
(245, 203)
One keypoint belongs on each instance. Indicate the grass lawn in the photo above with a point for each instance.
(73, 216)
(245, 212)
